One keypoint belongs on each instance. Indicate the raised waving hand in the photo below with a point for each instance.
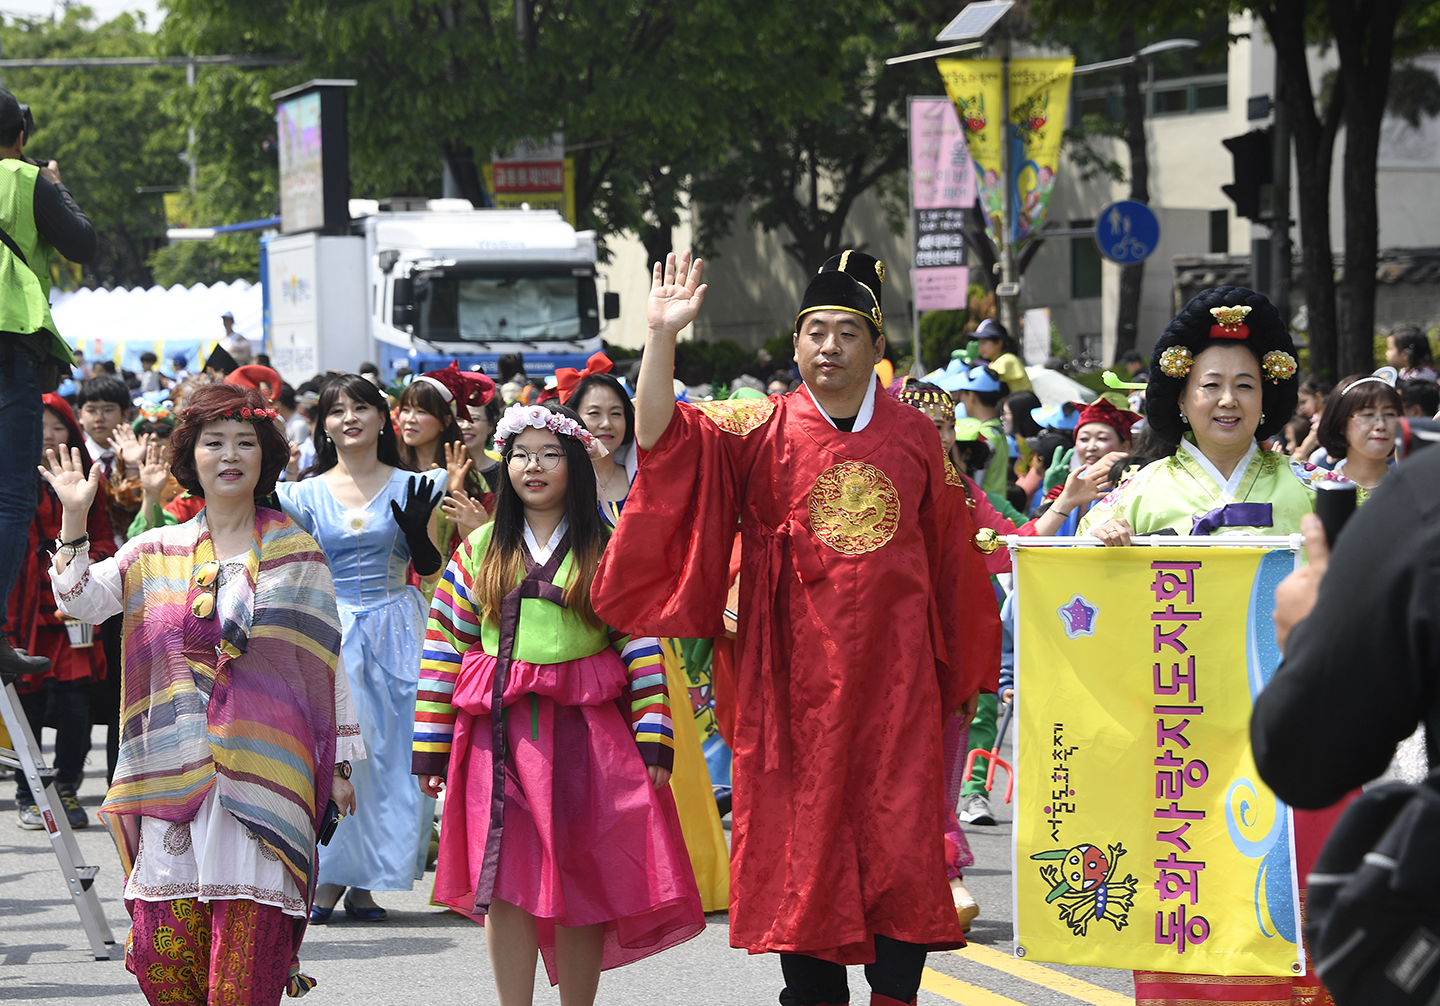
(676, 294)
(66, 476)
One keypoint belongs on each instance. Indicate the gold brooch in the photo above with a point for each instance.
(854, 508)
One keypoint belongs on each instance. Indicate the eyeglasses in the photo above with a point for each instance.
(207, 578)
(1368, 418)
(519, 459)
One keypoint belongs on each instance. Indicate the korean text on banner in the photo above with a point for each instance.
(1039, 93)
(1144, 838)
(940, 172)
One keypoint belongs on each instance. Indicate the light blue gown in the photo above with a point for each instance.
(382, 623)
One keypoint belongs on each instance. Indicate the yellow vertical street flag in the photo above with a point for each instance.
(1144, 838)
(1039, 94)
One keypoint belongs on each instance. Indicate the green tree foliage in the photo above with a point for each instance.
(829, 124)
(110, 129)
(639, 89)
(238, 172)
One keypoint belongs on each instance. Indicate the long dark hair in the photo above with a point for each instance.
(589, 384)
(501, 566)
(357, 389)
(426, 397)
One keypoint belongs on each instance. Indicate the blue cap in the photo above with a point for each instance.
(951, 377)
(979, 379)
(1058, 417)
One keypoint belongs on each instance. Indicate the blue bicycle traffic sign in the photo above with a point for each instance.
(1127, 232)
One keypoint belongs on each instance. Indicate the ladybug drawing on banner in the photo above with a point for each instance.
(1083, 881)
(972, 112)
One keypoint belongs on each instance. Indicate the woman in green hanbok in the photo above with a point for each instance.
(1222, 379)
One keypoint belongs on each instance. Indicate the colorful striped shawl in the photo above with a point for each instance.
(265, 741)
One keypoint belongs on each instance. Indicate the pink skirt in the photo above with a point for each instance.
(588, 840)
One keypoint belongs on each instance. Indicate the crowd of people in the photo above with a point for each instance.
(348, 599)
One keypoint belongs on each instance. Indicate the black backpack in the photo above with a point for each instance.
(1373, 901)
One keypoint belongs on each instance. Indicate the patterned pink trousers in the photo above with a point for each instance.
(219, 953)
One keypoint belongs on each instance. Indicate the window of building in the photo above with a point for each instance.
(1084, 264)
(1220, 232)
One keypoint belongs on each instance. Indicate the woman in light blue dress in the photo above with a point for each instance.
(372, 519)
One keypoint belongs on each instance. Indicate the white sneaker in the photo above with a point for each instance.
(975, 809)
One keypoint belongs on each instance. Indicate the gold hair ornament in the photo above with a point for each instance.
(1176, 362)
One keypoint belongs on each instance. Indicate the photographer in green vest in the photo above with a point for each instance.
(37, 217)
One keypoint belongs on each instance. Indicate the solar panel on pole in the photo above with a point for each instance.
(975, 21)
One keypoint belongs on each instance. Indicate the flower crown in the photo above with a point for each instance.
(242, 414)
(518, 418)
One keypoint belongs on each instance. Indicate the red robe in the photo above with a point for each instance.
(865, 620)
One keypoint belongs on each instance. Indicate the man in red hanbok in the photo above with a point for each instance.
(865, 620)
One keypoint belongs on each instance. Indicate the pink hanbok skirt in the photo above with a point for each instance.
(587, 840)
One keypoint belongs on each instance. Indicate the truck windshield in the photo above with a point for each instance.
(507, 307)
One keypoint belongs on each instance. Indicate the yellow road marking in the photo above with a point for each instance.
(1051, 979)
(962, 992)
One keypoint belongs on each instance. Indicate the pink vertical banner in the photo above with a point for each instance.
(941, 175)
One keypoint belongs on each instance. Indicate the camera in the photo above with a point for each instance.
(1412, 435)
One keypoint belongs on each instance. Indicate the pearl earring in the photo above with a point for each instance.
(1185, 419)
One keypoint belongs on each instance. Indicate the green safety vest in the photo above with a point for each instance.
(25, 286)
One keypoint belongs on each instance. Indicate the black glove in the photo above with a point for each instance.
(414, 521)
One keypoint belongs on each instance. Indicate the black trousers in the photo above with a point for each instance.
(812, 982)
(65, 705)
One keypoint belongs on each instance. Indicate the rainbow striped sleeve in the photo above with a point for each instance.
(649, 698)
(453, 628)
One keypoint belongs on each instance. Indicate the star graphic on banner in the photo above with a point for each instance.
(1078, 617)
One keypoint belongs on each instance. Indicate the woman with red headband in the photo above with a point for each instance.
(1102, 437)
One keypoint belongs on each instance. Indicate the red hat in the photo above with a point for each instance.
(253, 375)
(567, 377)
(461, 388)
(1101, 411)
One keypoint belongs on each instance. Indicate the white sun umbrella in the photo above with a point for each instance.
(1053, 387)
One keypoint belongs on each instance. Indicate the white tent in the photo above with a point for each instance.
(119, 325)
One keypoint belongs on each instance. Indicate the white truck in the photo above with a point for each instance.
(422, 282)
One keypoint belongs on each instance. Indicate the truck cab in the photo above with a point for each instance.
(451, 282)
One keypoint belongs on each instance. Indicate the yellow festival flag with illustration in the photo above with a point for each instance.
(1039, 94)
(1144, 838)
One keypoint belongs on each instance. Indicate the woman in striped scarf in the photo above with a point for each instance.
(236, 730)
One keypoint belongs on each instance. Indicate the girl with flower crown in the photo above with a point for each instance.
(374, 521)
(560, 833)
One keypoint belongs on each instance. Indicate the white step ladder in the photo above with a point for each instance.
(25, 755)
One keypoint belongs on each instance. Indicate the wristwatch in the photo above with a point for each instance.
(342, 769)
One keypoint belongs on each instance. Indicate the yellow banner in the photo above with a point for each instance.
(1144, 838)
(1039, 94)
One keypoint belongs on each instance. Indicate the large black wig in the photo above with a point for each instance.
(1196, 329)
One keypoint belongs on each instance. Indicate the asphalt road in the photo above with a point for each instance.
(425, 955)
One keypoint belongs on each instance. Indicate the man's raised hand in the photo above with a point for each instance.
(676, 294)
